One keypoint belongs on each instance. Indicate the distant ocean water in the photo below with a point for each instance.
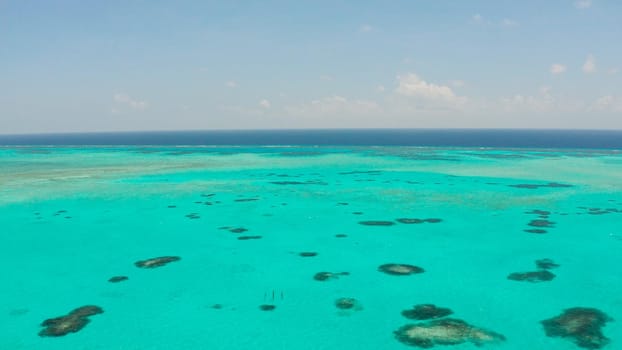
(604, 139)
(355, 246)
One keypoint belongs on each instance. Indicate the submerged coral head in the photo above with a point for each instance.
(400, 269)
(447, 331)
(156, 262)
(582, 325)
(426, 312)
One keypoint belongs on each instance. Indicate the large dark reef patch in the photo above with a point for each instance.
(426, 312)
(73, 322)
(448, 331)
(581, 325)
(156, 262)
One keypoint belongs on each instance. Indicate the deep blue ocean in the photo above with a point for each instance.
(604, 139)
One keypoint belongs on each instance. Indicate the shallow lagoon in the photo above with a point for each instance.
(73, 218)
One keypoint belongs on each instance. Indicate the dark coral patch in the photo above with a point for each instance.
(546, 264)
(193, 216)
(345, 303)
(433, 220)
(246, 238)
(410, 221)
(426, 312)
(539, 212)
(581, 325)
(267, 307)
(325, 276)
(532, 276)
(70, 323)
(357, 212)
(238, 230)
(172, 206)
(307, 254)
(536, 186)
(541, 223)
(60, 326)
(447, 331)
(156, 262)
(117, 279)
(537, 231)
(400, 269)
(377, 223)
(341, 235)
(85, 311)
(246, 199)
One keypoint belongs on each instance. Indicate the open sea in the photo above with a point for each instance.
(351, 240)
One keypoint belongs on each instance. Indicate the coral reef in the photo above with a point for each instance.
(426, 312)
(447, 331)
(581, 325)
(532, 276)
(73, 322)
(156, 262)
(400, 269)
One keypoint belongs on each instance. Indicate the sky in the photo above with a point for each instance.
(120, 65)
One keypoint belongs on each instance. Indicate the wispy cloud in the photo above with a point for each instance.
(509, 22)
(583, 4)
(366, 28)
(505, 22)
(413, 86)
(124, 99)
(607, 103)
(231, 84)
(558, 68)
(590, 64)
(264, 104)
(477, 18)
(326, 77)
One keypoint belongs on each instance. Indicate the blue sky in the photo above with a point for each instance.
(178, 65)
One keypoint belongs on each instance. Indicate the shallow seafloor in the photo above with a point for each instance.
(71, 218)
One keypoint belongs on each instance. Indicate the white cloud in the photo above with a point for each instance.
(326, 77)
(583, 4)
(380, 88)
(557, 68)
(231, 84)
(264, 104)
(366, 28)
(505, 22)
(590, 64)
(509, 22)
(608, 103)
(613, 71)
(412, 85)
(542, 103)
(545, 90)
(126, 100)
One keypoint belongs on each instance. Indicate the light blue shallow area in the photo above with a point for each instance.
(116, 203)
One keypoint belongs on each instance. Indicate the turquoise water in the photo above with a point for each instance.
(71, 218)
